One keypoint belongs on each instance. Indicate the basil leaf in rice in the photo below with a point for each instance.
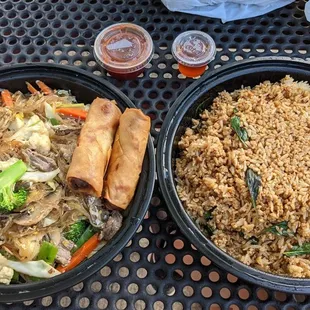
(240, 131)
(280, 229)
(253, 181)
(208, 214)
(298, 250)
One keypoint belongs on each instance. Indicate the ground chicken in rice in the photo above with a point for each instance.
(211, 175)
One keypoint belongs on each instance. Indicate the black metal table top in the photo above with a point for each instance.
(159, 268)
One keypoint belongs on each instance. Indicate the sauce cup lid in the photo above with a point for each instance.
(193, 48)
(123, 48)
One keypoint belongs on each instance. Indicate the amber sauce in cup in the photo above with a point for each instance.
(124, 50)
(193, 50)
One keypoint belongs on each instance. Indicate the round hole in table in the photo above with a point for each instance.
(121, 304)
(300, 298)
(262, 294)
(141, 273)
(65, 301)
(154, 228)
(105, 271)
(134, 257)
(178, 274)
(170, 258)
(133, 288)
(231, 278)
(188, 291)
(162, 215)
(244, 293)
(118, 257)
(196, 306)
(177, 306)
(178, 244)
(217, 307)
(47, 301)
(196, 275)
(280, 296)
(96, 286)
(206, 292)
(123, 272)
(161, 243)
(225, 293)
(214, 276)
(102, 303)
(144, 242)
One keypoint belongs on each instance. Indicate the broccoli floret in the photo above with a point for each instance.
(76, 230)
(10, 199)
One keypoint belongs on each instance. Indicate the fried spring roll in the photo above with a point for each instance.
(127, 158)
(91, 156)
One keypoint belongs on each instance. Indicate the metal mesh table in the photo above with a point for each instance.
(159, 268)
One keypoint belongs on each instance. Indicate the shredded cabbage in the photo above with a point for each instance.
(38, 176)
(6, 164)
(39, 269)
(35, 134)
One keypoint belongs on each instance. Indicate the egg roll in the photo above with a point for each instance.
(91, 156)
(126, 160)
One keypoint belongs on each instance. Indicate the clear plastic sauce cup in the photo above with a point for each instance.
(124, 50)
(193, 50)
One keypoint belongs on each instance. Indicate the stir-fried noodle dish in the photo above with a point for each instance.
(63, 182)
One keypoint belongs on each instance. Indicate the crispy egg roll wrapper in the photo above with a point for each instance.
(91, 156)
(127, 157)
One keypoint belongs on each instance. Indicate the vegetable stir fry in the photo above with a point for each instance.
(45, 227)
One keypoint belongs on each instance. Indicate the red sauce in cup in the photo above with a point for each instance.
(193, 50)
(124, 50)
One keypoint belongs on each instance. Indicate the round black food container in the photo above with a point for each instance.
(200, 96)
(85, 87)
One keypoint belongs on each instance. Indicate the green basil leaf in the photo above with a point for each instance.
(209, 230)
(253, 182)
(199, 109)
(240, 131)
(298, 250)
(241, 234)
(282, 231)
(243, 135)
(208, 214)
(254, 240)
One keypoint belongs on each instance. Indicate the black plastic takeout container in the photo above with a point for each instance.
(200, 96)
(85, 87)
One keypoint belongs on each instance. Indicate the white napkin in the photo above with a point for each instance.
(226, 10)
(307, 11)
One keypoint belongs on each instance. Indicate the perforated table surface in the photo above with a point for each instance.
(159, 268)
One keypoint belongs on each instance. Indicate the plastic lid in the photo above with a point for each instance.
(193, 48)
(123, 48)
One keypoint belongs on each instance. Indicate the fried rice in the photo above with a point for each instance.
(211, 175)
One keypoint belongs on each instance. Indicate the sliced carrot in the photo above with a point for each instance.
(44, 88)
(6, 97)
(81, 253)
(31, 88)
(74, 112)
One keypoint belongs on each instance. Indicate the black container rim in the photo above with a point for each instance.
(165, 174)
(21, 292)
